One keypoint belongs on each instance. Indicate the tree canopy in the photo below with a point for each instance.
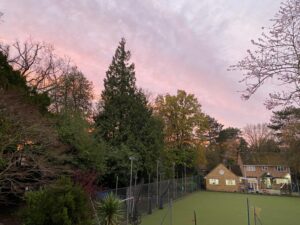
(125, 120)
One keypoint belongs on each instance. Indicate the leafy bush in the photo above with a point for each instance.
(8, 76)
(74, 130)
(60, 204)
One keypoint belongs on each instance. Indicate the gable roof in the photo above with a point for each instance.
(239, 173)
(263, 158)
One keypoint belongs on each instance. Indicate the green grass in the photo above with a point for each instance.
(215, 208)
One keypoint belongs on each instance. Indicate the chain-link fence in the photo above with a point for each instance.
(142, 199)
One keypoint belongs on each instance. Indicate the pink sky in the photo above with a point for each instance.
(175, 44)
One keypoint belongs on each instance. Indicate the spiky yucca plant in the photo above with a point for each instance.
(109, 209)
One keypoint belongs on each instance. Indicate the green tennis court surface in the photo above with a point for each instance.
(215, 208)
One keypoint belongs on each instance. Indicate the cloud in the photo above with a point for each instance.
(175, 44)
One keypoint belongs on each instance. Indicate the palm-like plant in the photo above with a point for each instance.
(109, 209)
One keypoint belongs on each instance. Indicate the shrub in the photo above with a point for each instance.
(109, 210)
(59, 204)
(73, 129)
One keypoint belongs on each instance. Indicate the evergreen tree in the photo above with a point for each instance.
(124, 119)
(120, 99)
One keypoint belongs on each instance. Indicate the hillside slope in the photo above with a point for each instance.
(31, 154)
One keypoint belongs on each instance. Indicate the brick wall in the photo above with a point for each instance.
(259, 171)
(215, 174)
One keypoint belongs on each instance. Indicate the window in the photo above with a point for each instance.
(250, 168)
(264, 168)
(281, 168)
(281, 181)
(230, 182)
(214, 181)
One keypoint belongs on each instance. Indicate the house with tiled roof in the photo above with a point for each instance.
(223, 178)
(265, 172)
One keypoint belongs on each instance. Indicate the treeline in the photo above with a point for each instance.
(50, 128)
(172, 132)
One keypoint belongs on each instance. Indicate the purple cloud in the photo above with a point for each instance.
(175, 44)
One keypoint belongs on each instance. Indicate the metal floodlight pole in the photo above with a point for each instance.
(130, 183)
(184, 177)
(131, 158)
(173, 180)
(157, 192)
(135, 179)
(117, 185)
(149, 199)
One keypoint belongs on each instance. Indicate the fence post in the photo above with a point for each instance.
(171, 216)
(182, 183)
(254, 216)
(117, 185)
(200, 180)
(173, 183)
(144, 196)
(184, 177)
(248, 213)
(175, 188)
(149, 198)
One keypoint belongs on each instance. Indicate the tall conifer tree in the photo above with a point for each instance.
(125, 121)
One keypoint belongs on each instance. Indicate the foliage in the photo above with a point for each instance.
(276, 57)
(73, 93)
(291, 134)
(282, 118)
(213, 157)
(12, 79)
(228, 144)
(8, 76)
(121, 103)
(87, 181)
(59, 204)
(260, 138)
(228, 133)
(29, 153)
(41, 100)
(201, 159)
(24, 163)
(117, 160)
(124, 119)
(212, 130)
(88, 152)
(286, 125)
(184, 124)
(109, 210)
(182, 116)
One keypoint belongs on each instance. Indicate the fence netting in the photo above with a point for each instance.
(142, 199)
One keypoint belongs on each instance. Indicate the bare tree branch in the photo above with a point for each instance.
(37, 62)
(276, 57)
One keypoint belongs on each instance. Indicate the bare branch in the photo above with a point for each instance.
(275, 57)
